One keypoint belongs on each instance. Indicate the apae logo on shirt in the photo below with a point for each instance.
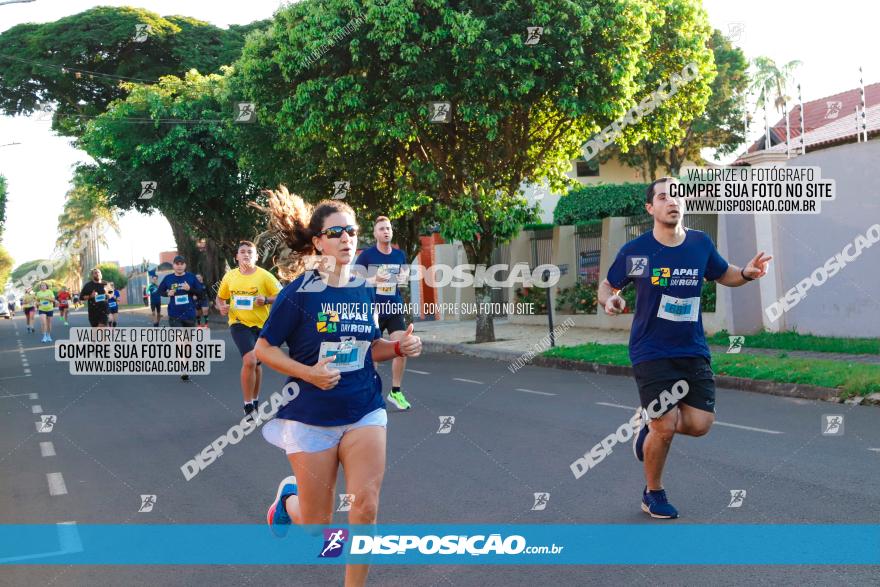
(327, 321)
(664, 276)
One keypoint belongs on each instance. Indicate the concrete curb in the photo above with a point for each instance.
(754, 385)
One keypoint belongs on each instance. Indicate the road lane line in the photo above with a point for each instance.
(468, 381)
(15, 377)
(417, 371)
(36, 409)
(616, 405)
(47, 449)
(33, 395)
(533, 391)
(740, 426)
(27, 371)
(16, 395)
(875, 449)
(56, 484)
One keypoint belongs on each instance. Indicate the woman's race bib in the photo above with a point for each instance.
(181, 300)
(243, 302)
(350, 354)
(45, 305)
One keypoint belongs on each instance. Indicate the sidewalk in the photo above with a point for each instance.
(522, 337)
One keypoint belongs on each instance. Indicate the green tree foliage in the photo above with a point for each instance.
(719, 127)
(27, 267)
(520, 112)
(110, 272)
(200, 190)
(84, 208)
(78, 62)
(2, 206)
(5, 267)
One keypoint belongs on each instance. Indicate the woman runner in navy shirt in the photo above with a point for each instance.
(328, 320)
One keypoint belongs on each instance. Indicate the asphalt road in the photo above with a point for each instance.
(117, 437)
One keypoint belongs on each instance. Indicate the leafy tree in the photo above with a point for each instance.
(5, 267)
(78, 62)
(519, 112)
(2, 207)
(199, 188)
(110, 272)
(84, 208)
(720, 126)
(27, 267)
(770, 86)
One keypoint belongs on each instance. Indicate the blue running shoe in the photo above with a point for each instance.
(277, 518)
(640, 436)
(656, 504)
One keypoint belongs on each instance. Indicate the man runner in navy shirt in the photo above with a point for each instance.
(667, 345)
(178, 286)
(385, 270)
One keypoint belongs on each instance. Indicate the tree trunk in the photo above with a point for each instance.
(485, 321)
(480, 253)
(186, 245)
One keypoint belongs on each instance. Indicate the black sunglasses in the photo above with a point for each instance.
(336, 231)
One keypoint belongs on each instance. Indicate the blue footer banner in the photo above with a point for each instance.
(433, 544)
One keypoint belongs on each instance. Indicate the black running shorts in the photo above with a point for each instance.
(655, 377)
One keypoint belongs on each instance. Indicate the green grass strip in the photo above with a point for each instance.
(851, 378)
(792, 341)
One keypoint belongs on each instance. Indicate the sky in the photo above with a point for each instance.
(832, 40)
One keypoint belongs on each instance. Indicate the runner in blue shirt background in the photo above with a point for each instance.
(667, 345)
(177, 286)
(328, 320)
(386, 268)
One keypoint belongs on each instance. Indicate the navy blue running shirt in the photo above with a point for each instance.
(180, 305)
(391, 265)
(337, 321)
(668, 280)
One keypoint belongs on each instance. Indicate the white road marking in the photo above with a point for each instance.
(468, 380)
(417, 371)
(533, 391)
(56, 484)
(741, 427)
(616, 405)
(717, 423)
(875, 449)
(47, 449)
(33, 395)
(16, 395)
(36, 409)
(15, 376)
(27, 371)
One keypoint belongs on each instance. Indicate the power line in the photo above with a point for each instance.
(78, 72)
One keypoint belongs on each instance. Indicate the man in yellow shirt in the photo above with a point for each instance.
(45, 306)
(244, 295)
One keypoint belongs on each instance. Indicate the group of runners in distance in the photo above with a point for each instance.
(332, 321)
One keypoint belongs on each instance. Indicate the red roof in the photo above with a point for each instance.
(821, 112)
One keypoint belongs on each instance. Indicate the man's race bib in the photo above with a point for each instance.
(100, 297)
(243, 302)
(679, 309)
(181, 300)
(350, 354)
(391, 273)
